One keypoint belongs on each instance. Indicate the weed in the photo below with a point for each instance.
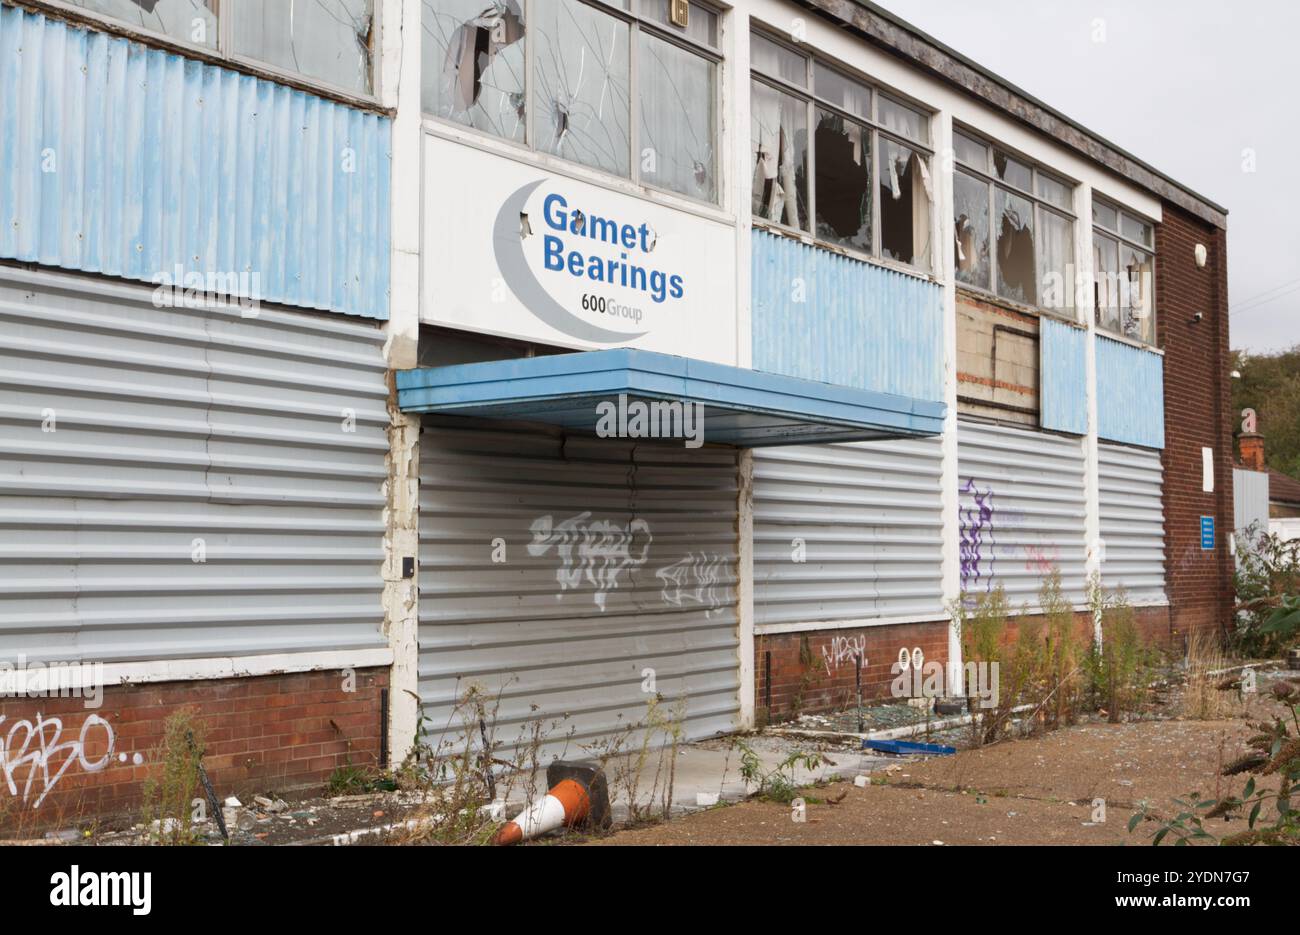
(171, 795)
(780, 783)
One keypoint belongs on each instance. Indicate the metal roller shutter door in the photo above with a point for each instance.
(1132, 515)
(136, 440)
(870, 522)
(612, 558)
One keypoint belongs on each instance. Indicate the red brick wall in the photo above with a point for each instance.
(274, 733)
(813, 672)
(1197, 404)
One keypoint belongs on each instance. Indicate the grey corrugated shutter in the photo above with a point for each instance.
(1022, 510)
(1130, 482)
(137, 439)
(865, 519)
(555, 571)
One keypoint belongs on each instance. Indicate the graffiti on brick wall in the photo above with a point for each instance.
(842, 649)
(976, 545)
(35, 756)
(597, 552)
(694, 579)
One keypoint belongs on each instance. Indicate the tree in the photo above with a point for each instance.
(1270, 384)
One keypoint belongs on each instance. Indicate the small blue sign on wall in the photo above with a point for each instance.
(1207, 533)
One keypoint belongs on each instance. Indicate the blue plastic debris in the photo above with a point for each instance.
(902, 747)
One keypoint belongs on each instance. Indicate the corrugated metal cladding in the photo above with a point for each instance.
(185, 483)
(129, 161)
(822, 316)
(1130, 394)
(847, 532)
(1022, 508)
(1250, 499)
(1063, 377)
(1130, 483)
(555, 571)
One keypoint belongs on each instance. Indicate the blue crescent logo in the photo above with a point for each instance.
(508, 247)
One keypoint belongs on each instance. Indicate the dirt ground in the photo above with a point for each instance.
(1033, 791)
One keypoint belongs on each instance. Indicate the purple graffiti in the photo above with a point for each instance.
(976, 525)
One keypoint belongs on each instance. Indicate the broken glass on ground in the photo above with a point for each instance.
(779, 150)
(473, 64)
(331, 42)
(582, 72)
(843, 181)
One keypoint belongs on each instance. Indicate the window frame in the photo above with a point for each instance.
(222, 53)
(814, 102)
(637, 22)
(988, 175)
(1122, 240)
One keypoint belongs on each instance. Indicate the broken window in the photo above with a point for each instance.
(473, 69)
(904, 205)
(970, 215)
(1030, 227)
(871, 189)
(779, 141)
(843, 182)
(329, 40)
(582, 78)
(678, 100)
(1017, 277)
(1124, 270)
(190, 21)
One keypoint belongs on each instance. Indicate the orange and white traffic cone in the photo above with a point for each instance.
(566, 805)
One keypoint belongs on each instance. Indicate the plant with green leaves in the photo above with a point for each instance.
(1267, 582)
(778, 784)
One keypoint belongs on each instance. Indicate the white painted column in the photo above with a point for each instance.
(949, 502)
(399, 88)
(1085, 303)
(736, 183)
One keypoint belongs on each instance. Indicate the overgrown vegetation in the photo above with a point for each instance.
(1272, 763)
(1267, 580)
(779, 784)
(172, 800)
(1049, 668)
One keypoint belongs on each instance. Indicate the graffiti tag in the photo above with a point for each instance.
(40, 748)
(597, 552)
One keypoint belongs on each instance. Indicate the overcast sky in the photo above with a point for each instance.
(1186, 85)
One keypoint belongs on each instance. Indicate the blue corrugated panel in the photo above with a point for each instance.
(128, 161)
(822, 316)
(1130, 394)
(1063, 377)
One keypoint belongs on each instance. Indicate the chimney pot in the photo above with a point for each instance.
(1252, 450)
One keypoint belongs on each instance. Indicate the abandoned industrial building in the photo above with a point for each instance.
(308, 320)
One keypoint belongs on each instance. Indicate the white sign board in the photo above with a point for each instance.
(511, 249)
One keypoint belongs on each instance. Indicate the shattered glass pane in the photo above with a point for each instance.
(1105, 266)
(843, 174)
(1013, 172)
(1017, 274)
(1056, 260)
(473, 68)
(1137, 312)
(677, 105)
(327, 39)
(776, 60)
(192, 21)
(841, 91)
(779, 152)
(905, 195)
(971, 228)
(582, 85)
(894, 116)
